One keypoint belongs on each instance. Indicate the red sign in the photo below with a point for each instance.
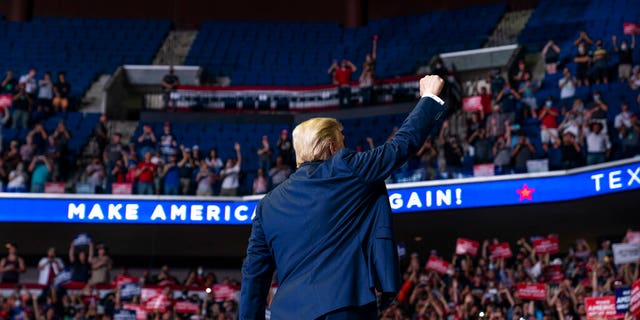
(141, 313)
(633, 236)
(186, 307)
(553, 273)
(532, 291)
(634, 305)
(472, 103)
(121, 188)
(54, 187)
(5, 101)
(630, 28)
(601, 307)
(466, 246)
(120, 280)
(546, 245)
(501, 250)
(147, 294)
(222, 292)
(437, 264)
(158, 303)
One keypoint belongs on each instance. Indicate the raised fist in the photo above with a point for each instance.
(431, 85)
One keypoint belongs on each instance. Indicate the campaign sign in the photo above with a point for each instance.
(532, 291)
(601, 307)
(222, 292)
(437, 264)
(141, 313)
(82, 239)
(500, 251)
(634, 303)
(626, 252)
(633, 237)
(5, 100)
(124, 314)
(147, 294)
(54, 187)
(630, 28)
(472, 103)
(122, 279)
(157, 304)
(121, 188)
(553, 273)
(186, 307)
(623, 298)
(129, 290)
(466, 246)
(546, 245)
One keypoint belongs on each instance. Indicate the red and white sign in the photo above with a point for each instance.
(546, 245)
(158, 303)
(186, 307)
(54, 187)
(147, 294)
(631, 28)
(437, 264)
(532, 291)
(553, 273)
(120, 280)
(500, 251)
(121, 188)
(5, 101)
(141, 313)
(484, 170)
(222, 292)
(633, 236)
(601, 307)
(466, 246)
(472, 103)
(634, 304)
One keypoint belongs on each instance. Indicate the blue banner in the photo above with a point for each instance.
(404, 198)
(623, 298)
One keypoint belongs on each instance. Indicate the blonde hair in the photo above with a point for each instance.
(312, 139)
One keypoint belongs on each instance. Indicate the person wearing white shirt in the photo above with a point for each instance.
(29, 81)
(231, 174)
(623, 118)
(567, 88)
(49, 267)
(598, 144)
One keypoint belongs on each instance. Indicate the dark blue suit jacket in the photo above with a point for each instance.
(328, 230)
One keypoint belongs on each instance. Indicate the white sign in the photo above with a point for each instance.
(626, 252)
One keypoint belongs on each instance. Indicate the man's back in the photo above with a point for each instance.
(328, 228)
(327, 244)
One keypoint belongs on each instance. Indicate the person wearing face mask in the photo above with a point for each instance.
(548, 121)
(582, 61)
(625, 54)
(599, 68)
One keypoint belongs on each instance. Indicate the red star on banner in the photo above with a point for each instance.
(525, 193)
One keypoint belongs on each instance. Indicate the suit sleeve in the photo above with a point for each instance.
(377, 164)
(257, 271)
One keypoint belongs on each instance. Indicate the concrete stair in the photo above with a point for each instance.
(93, 100)
(175, 48)
(509, 28)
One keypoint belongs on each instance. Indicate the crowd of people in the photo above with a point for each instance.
(472, 286)
(162, 165)
(69, 289)
(42, 156)
(513, 127)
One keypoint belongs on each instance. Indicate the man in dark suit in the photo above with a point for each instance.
(328, 228)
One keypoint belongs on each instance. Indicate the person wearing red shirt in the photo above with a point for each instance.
(342, 78)
(145, 172)
(549, 121)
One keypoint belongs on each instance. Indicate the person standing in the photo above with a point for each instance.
(62, 90)
(347, 251)
(230, 175)
(342, 77)
(12, 265)
(170, 84)
(49, 267)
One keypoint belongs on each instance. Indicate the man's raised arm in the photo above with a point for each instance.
(377, 164)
